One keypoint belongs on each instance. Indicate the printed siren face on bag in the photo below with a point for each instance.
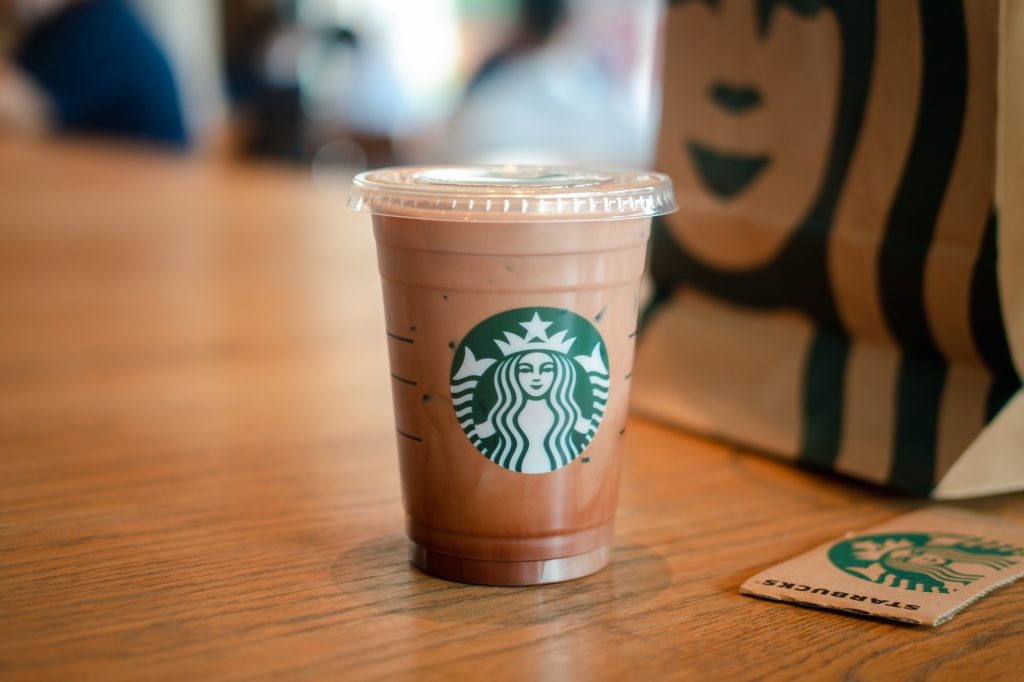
(748, 138)
(529, 387)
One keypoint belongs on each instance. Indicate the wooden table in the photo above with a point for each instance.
(198, 475)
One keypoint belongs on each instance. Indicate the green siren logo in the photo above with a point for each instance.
(924, 562)
(529, 387)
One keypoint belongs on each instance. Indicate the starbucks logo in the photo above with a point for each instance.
(529, 387)
(925, 562)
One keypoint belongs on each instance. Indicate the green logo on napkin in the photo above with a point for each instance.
(924, 562)
(529, 387)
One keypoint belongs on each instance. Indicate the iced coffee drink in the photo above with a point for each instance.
(511, 297)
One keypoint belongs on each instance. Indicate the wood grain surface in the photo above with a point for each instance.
(198, 476)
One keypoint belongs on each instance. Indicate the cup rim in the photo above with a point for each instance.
(511, 193)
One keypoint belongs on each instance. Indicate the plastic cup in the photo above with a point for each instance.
(511, 297)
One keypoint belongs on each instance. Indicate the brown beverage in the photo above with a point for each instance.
(511, 297)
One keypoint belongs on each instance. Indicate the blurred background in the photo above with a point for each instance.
(353, 83)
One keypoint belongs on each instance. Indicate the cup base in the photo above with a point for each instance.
(508, 573)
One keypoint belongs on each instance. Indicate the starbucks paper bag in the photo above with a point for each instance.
(843, 285)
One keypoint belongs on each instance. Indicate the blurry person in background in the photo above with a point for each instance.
(86, 66)
(262, 45)
(577, 84)
(303, 85)
(538, 20)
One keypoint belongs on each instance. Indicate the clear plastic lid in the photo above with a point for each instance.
(511, 193)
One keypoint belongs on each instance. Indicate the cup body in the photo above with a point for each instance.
(473, 312)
